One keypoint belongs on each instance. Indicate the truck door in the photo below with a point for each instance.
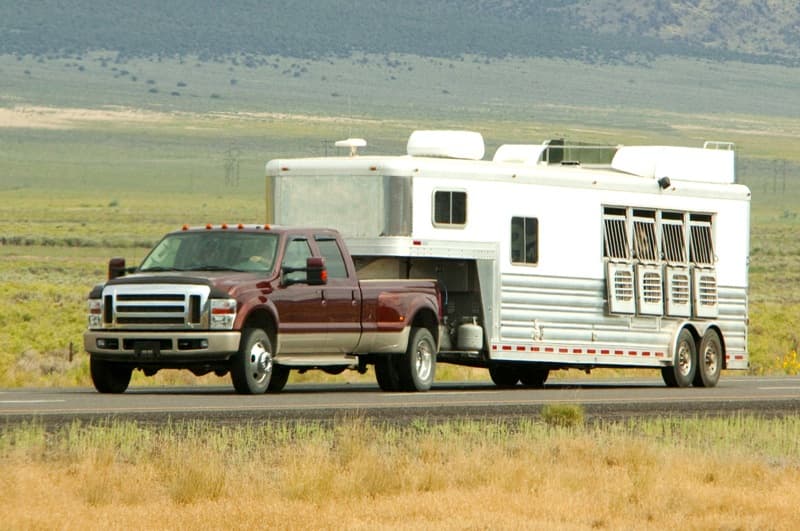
(301, 308)
(341, 296)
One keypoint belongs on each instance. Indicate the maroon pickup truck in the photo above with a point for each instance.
(257, 301)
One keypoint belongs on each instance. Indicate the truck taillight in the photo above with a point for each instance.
(223, 314)
(95, 313)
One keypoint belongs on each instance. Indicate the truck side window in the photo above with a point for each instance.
(334, 261)
(449, 208)
(524, 240)
(297, 251)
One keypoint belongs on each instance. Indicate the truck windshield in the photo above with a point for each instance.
(213, 251)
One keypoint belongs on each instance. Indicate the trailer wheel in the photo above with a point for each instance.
(417, 367)
(709, 360)
(280, 375)
(504, 375)
(533, 376)
(108, 376)
(251, 367)
(386, 372)
(682, 371)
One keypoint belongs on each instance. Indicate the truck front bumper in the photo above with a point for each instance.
(155, 347)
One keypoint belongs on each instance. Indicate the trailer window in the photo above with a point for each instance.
(524, 240)
(615, 233)
(449, 207)
(673, 243)
(644, 232)
(334, 262)
(701, 247)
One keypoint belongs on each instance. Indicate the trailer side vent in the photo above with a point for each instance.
(678, 287)
(621, 288)
(706, 303)
(649, 290)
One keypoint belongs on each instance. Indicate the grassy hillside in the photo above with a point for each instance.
(591, 30)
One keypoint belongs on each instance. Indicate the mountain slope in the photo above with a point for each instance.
(589, 30)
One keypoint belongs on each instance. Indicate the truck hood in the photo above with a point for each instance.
(222, 283)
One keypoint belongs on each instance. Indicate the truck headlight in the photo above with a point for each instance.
(223, 313)
(95, 313)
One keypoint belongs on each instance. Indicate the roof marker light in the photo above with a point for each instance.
(224, 226)
(185, 227)
(208, 226)
(240, 226)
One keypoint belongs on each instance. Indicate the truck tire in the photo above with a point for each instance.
(417, 367)
(280, 375)
(109, 377)
(504, 376)
(709, 360)
(533, 376)
(386, 372)
(682, 371)
(251, 367)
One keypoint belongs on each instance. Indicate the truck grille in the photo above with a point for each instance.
(138, 306)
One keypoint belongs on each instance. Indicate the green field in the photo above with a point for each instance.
(93, 164)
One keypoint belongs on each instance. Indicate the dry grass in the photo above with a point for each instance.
(361, 475)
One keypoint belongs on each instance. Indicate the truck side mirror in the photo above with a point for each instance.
(116, 268)
(316, 273)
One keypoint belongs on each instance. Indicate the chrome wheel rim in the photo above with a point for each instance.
(710, 359)
(259, 363)
(423, 361)
(684, 358)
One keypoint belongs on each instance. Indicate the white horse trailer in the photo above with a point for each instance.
(549, 256)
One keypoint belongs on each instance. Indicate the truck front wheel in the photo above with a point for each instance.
(251, 367)
(109, 377)
(417, 366)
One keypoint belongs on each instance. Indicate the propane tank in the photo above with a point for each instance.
(470, 336)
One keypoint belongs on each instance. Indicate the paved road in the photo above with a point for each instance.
(600, 398)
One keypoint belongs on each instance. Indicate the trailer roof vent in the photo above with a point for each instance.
(449, 144)
(353, 144)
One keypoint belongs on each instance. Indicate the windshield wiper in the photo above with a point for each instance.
(210, 268)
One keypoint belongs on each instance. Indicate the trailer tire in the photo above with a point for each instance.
(709, 360)
(417, 367)
(533, 376)
(252, 367)
(386, 373)
(110, 377)
(280, 375)
(504, 375)
(682, 371)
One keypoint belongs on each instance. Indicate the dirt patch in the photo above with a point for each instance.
(32, 117)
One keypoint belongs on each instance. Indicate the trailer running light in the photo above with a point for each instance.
(223, 313)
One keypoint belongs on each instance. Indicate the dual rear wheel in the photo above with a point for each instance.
(413, 370)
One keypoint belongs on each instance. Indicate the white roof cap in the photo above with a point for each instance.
(451, 144)
(677, 163)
